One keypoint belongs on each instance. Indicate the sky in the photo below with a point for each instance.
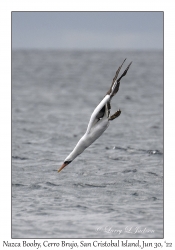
(87, 30)
(28, 32)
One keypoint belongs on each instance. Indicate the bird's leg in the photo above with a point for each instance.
(115, 115)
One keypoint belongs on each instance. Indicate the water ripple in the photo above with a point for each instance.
(19, 158)
(134, 150)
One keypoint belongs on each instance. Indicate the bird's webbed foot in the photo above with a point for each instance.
(115, 115)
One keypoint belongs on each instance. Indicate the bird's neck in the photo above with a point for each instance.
(79, 148)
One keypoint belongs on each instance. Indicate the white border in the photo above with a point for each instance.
(5, 92)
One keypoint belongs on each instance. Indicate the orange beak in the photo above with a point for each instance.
(64, 165)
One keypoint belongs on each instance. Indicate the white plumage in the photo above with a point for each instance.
(99, 120)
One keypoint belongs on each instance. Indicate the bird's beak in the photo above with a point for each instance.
(64, 165)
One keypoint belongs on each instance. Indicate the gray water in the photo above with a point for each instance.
(115, 187)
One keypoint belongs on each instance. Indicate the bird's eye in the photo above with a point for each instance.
(67, 162)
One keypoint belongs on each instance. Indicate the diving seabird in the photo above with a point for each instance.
(99, 120)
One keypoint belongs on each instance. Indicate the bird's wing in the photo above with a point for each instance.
(116, 82)
(98, 112)
(104, 106)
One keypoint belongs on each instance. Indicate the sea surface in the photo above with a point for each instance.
(114, 189)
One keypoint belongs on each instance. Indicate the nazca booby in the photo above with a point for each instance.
(99, 120)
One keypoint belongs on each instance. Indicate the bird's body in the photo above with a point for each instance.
(94, 130)
(99, 120)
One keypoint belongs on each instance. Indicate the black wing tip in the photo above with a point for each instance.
(123, 63)
(129, 65)
(116, 76)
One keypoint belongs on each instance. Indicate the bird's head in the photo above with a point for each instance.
(80, 147)
(65, 163)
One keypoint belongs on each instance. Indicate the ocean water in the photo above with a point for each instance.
(114, 189)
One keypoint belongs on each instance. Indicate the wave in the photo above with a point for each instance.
(18, 185)
(19, 158)
(134, 150)
(88, 185)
